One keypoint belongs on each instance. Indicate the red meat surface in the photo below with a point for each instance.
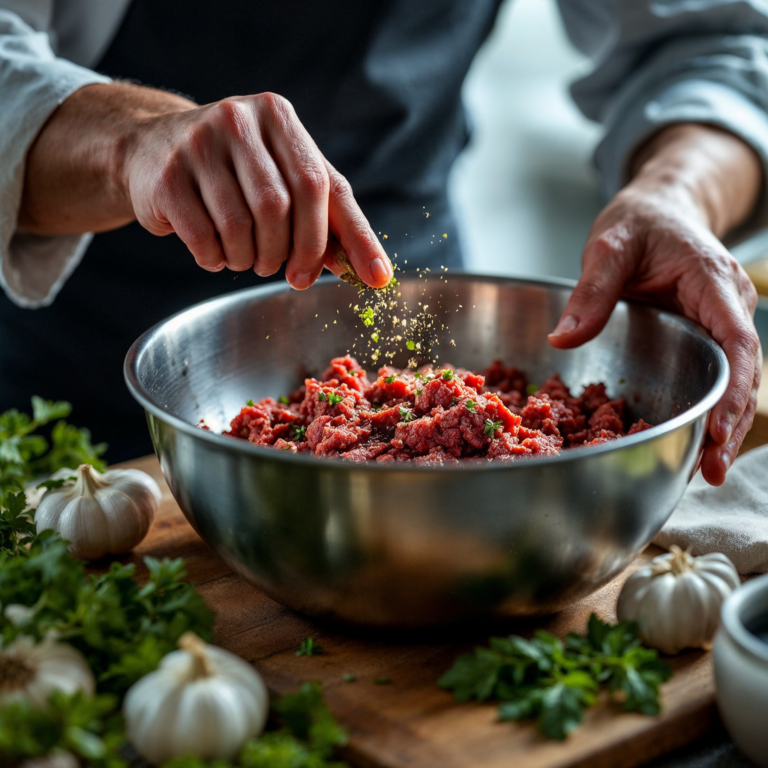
(438, 416)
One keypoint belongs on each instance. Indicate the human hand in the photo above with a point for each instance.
(243, 184)
(653, 242)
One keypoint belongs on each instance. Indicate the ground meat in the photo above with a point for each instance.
(438, 416)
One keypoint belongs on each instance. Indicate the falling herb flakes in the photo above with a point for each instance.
(309, 648)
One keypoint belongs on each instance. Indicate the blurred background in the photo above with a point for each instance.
(525, 186)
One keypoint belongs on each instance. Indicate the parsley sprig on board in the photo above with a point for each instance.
(555, 681)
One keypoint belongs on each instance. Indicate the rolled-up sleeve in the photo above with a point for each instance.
(659, 62)
(33, 82)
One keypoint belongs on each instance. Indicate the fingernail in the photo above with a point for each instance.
(567, 325)
(725, 459)
(217, 268)
(380, 272)
(301, 280)
(724, 430)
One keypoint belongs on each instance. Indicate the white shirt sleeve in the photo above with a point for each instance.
(33, 82)
(659, 62)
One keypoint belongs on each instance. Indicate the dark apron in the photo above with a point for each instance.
(377, 84)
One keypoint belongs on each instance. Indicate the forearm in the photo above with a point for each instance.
(73, 181)
(710, 169)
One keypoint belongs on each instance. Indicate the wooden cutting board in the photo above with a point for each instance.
(411, 722)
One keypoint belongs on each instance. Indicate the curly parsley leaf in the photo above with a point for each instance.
(448, 374)
(390, 379)
(299, 433)
(491, 427)
(334, 398)
(406, 414)
(555, 681)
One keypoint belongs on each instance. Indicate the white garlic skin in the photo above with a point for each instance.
(56, 759)
(179, 710)
(30, 670)
(676, 599)
(101, 514)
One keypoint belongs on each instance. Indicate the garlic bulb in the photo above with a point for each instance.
(33, 671)
(675, 599)
(56, 759)
(101, 514)
(201, 701)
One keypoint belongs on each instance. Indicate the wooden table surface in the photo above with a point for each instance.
(411, 722)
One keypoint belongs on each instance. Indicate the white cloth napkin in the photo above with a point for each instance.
(732, 519)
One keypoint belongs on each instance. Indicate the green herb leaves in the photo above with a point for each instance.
(406, 414)
(531, 389)
(554, 681)
(330, 397)
(470, 405)
(367, 316)
(390, 379)
(299, 433)
(25, 456)
(283, 399)
(249, 402)
(448, 374)
(410, 345)
(122, 629)
(491, 427)
(309, 648)
(89, 728)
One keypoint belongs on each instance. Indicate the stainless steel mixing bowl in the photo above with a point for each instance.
(411, 545)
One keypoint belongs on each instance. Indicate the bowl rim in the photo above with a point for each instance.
(683, 419)
(731, 621)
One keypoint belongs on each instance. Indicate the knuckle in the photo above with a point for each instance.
(312, 181)
(232, 116)
(234, 224)
(606, 244)
(589, 291)
(272, 203)
(274, 104)
(197, 236)
(747, 339)
(340, 188)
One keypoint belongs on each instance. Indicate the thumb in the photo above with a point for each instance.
(600, 286)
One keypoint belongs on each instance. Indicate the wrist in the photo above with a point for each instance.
(712, 172)
(139, 119)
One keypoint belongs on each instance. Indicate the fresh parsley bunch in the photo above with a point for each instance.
(89, 728)
(555, 681)
(123, 629)
(25, 455)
